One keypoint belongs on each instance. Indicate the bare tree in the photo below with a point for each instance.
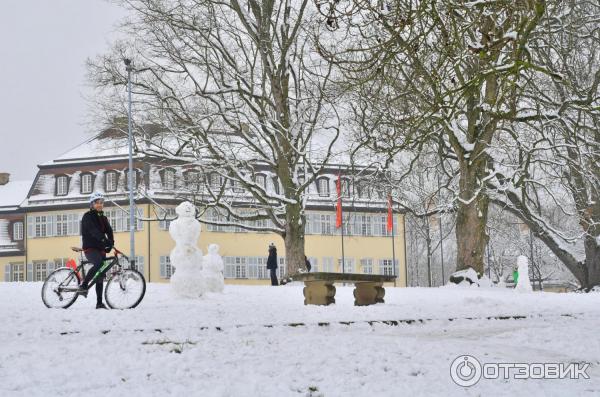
(447, 73)
(554, 161)
(239, 92)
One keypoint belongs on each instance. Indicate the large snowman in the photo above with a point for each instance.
(213, 270)
(186, 257)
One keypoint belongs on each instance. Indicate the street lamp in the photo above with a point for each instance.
(132, 210)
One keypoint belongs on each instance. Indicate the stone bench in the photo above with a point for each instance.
(319, 288)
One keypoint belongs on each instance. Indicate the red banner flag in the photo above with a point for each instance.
(390, 216)
(338, 206)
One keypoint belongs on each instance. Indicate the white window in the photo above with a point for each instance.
(348, 265)
(62, 185)
(86, 183)
(14, 272)
(62, 224)
(314, 264)
(166, 269)
(323, 186)
(366, 265)
(139, 264)
(365, 225)
(42, 226)
(325, 224)
(119, 219)
(240, 267)
(282, 269)
(40, 271)
(111, 181)
(18, 231)
(386, 268)
(169, 180)
(327, 265)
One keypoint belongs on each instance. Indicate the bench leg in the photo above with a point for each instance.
(319, 293)
(368, 293)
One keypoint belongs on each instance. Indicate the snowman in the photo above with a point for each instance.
(213, 270)
(186, 257)
(523, 283)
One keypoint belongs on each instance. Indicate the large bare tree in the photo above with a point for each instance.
(240, 93)
(445, 73)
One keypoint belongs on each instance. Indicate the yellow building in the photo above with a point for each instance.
(39, 221)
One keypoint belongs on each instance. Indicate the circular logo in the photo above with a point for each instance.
(465, 371)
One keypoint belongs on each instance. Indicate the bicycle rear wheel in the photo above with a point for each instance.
(59, 289)
(125, 289)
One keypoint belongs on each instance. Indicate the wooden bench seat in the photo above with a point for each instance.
(319, 288)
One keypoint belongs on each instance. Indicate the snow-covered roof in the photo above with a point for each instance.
(94, 149)
(13, 193)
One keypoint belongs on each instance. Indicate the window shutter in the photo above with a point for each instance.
(29, 272)
(140, 223)
(163, 267)
(30, 227)
(51, 267)
(50, 222)
(7, 272)
(139, 264)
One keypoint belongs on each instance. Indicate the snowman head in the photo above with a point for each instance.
(186, 210)
(213, 249)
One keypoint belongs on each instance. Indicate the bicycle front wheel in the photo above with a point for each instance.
(59, 289)
(125, 289)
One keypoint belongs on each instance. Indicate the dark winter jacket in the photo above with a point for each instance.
(308, 266)
(272, 260)
(96, 232)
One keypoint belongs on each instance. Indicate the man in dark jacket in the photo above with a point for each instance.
(97, 240)
(272, 264)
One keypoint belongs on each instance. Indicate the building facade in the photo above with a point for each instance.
(40, 220)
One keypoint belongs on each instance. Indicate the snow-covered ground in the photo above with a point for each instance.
(244, 343)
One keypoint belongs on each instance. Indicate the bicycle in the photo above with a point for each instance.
(125, 287)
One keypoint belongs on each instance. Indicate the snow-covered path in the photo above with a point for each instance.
(241, 343)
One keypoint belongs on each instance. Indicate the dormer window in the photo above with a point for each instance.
(111, 181)
(276, 185)
(87, 183)
(62, 185)
(237, 187)
(323, 186)
(18, 231)
(169, 179)
(216, 180)
(192, 180)
(135, 179)
(261, 181)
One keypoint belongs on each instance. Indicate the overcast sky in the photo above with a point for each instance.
(43, 48)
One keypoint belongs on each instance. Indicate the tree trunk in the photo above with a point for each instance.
(591, 271)
(471, 237)
(294, 239)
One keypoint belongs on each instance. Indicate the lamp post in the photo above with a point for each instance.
(132, 210)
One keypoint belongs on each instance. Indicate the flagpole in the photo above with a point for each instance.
(393, 242)
(339, 193)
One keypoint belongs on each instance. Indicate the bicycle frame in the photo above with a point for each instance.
(108, 264)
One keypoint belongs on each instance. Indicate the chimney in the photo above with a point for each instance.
(4, 177)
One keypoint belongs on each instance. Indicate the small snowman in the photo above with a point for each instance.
(186, 257)
(213, 270)
(523, 283)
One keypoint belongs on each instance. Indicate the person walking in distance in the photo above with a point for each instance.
(272, 264)
(97, 240)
